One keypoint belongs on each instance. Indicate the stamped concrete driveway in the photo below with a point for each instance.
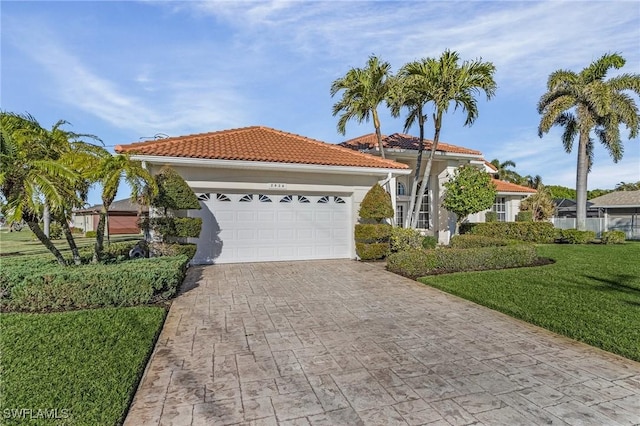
(347, 343)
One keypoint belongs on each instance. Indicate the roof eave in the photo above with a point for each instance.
(265, 165)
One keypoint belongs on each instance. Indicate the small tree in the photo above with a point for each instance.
(173, 194)
(372, 235)
(540, 205)
(470, 191)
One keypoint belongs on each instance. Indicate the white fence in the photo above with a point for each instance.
(601, 224)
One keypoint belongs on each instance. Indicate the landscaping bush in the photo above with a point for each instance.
(524, 216)
(175, 249)
(187, 227)
(39, 284)
(613, 237)
(173, 192)
(490, 217)
(429, 242)
(372, 232)
(55, 231)
(172, 227)
(405, 239)
(376, 204)
(573, 236)
(372, 251)
(475, 241)
(419, 263)
(90, 234)
(466, 227)
(535, 232)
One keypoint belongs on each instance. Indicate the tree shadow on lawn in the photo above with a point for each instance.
(621, 282)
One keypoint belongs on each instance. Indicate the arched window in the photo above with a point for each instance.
(400, 189)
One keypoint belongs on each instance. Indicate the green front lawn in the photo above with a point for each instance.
(84, 364)
(591, 293)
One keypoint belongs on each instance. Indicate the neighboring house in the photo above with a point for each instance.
(566, 208)
(269, 195)
(434, 219)
(621, 211)
(123, 217)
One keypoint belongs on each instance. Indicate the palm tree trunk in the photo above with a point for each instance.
(581, 182)
(427, 171)
(376, 124)
(70, 240)
(35, 228)
(99, 246)
(416, 174)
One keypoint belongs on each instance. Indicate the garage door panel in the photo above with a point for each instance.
(301, 227)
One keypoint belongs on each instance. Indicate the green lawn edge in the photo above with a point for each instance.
(88, 363)
(591, 293)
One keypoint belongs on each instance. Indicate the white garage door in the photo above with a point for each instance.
(271, 227)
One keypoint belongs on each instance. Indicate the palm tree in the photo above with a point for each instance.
(109, 173)
(445, 82)
(628, 186)
(363, 90)
(585, 102)
(504, 172)
(534, 182)
(406, 92)
(32, 173)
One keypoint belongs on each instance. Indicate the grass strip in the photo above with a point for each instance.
(591, 293)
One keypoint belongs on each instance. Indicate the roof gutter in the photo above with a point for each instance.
(267, 166)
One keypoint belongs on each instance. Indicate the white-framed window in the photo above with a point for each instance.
(424, 216)
(500, 207)
(400, 216)
(400, 188)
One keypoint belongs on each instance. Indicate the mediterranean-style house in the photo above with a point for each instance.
(269, 195)
(434, 219)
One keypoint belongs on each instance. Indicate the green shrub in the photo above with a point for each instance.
(573, 236)
(524, 216)
(613, 237)
(372, 232)
(405, 239)
(466, 227)
(429, 242)
(535, 232)
(90, 234)
(187, 227)
(475, 241)
(173, 192)
(418, 263)
(55, 231)
(42, 285)
(376, 204)
(372, 251)
(175, 249)
(491, 217)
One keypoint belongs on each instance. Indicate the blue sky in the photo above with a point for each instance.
(129, 70)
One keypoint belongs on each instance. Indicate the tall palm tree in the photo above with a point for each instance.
(534, 182)
(504, 172)
(109, 173)
(364, 89)
(406, 93)
(446, 82)
(32, 173)
(585, 103)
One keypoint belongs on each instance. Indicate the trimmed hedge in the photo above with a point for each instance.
(475, 241)
(535, 232)
(372, 251)
(491, 217)
(573, 236)
(90, 234)
(376, 204)
(524, 216)
(613, 237)
(429, 242)
(164, 249)
(372, 232)
(417, 263)
(39, 284)
(405, 239)
(169, 227)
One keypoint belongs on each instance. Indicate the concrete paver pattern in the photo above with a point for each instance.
(347, 343)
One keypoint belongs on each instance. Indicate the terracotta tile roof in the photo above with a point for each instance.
(257, 143)
(402, 141)
(503, 186)
(491, 166)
